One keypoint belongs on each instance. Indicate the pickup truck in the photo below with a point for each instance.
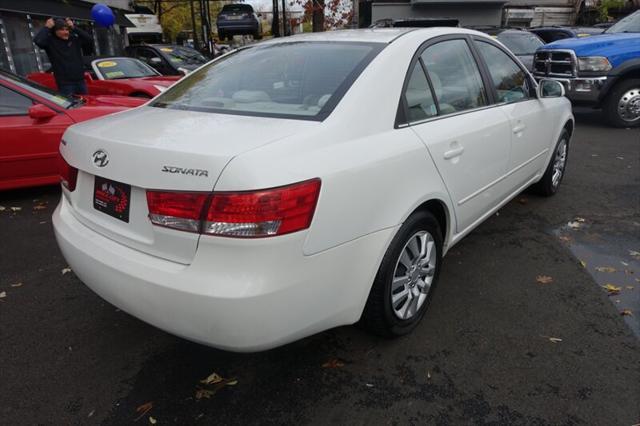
(602, 71)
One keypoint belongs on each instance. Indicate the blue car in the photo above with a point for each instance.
(602, 71)
(238, 19)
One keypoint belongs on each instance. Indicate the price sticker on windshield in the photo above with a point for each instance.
(107, 64)
(166, 49)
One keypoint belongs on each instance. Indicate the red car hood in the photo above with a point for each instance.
(166, 80)
(106, 100)
(97, 106)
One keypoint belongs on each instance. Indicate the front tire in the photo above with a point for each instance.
(406, 279)
(622, 104)
(550, 182)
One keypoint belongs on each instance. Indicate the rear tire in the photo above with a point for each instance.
(621, 107)
(553, 175)
(401, 294)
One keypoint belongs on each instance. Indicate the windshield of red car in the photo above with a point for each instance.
(302, 80)
(178, 55)
(38, 90)
(118, 68)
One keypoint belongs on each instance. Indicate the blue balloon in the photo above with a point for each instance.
(102, 15)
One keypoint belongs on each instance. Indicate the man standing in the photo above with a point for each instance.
(63, 43)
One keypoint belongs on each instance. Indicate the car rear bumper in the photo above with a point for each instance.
(239, 295)
(235, 26)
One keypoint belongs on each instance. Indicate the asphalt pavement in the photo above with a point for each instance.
(521, 330)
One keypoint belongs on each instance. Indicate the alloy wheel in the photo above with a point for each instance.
(629, 105)
(559, 163)
(413, 275)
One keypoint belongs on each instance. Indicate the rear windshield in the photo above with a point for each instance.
(520, 43)
(290, 80)
(238, 8)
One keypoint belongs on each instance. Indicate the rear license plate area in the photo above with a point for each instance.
(112, 198)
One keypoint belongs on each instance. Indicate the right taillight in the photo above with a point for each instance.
(247, 214)
(68, 174)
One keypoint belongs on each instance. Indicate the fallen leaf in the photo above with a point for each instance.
(2, 208)
(626, 312)
(204, 393)
(553, 339)
(634, 253)
(66, 271)
(16, 209)
(620, 158)
(544, 279)
(3, 294)
(573, 225)
(605, 269)
(333, 363)
(624, 263)
(231, 382)
(91, 413)
(583, 263)
(16, 285)
(152, 420)
(369, 385)
(143, 409)
(428, 375)
(612, 289)
(212, 379)
(580, 219)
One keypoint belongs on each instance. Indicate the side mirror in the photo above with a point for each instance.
(41, 112)
(155, 61)
(548, 88)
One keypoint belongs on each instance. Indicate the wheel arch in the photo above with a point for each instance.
(443, 214)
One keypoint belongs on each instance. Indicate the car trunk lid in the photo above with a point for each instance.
(148, 149)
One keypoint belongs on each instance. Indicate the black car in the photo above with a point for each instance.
(551, 34)
(168, 59)
(522, 43)
(238, 19)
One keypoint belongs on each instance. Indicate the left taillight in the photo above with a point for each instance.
(68, 174)
(249, 214)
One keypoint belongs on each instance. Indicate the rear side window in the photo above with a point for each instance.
(508, 78)
(420, 103)
(455, 77)
(287, 80)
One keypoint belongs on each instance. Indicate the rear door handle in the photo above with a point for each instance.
(456, 152)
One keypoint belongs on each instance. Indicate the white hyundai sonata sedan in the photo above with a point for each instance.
(305, 183)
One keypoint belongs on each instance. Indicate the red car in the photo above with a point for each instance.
(117, 76)
(32, 121)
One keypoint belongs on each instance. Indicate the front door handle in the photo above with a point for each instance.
(456, 152)
(519, 128)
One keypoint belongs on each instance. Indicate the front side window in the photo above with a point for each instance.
(12, 103)
(628, 24)
(420, 103)
(289, 80)
(38, 90)
(455, 77)
(508, 78)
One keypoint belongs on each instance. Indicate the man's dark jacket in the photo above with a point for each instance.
(65, 55)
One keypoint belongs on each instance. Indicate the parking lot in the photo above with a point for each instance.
(521, 330)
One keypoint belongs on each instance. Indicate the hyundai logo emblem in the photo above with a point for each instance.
(100, 158)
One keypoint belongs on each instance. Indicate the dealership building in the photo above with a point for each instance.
(20, 20)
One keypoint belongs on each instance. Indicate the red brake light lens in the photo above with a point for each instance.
(68, 174)
(251, 214)
(178, 210)
(263, 213)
